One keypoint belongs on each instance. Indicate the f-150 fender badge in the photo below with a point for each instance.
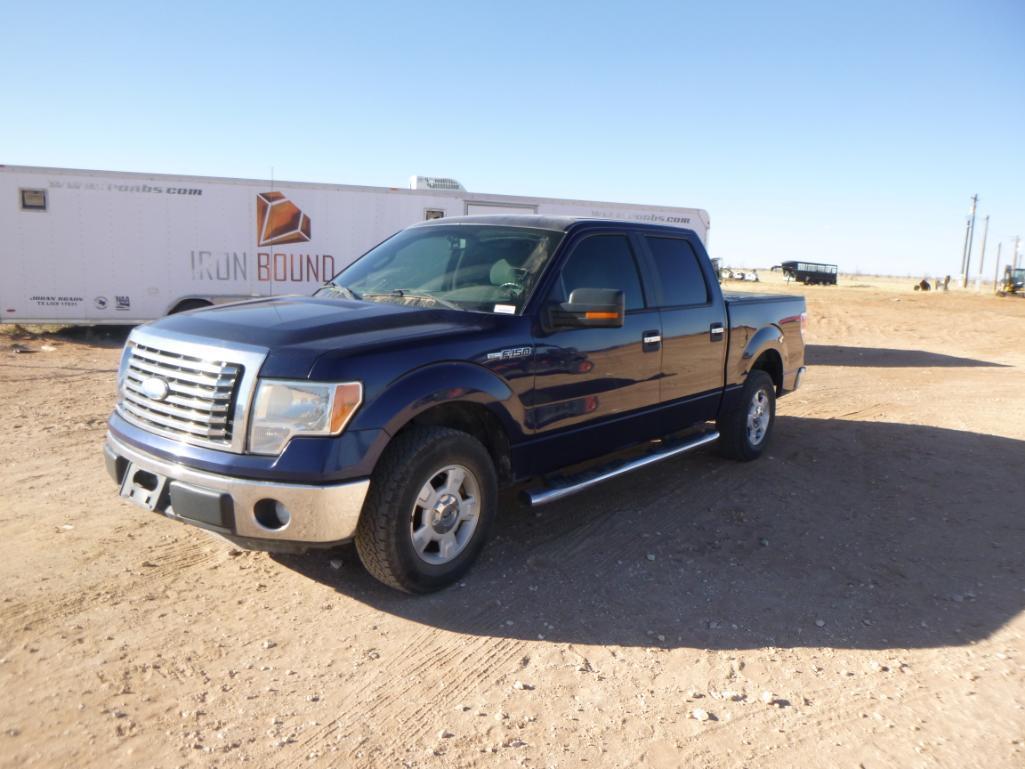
(511, 353)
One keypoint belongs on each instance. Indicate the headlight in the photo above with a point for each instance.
(283, 409)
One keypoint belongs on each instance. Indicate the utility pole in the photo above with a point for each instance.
(982, 251)
(968, 248)
(996, 270)
(964, 247)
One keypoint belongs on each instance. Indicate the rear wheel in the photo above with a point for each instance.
(744, 432)
(190, 304)
(432, 500)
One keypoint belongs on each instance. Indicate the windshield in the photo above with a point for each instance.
(477, 267)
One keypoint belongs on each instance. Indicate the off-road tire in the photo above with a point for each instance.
(383, 533)
(734, 439)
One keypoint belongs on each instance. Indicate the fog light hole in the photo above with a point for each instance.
(271, 514)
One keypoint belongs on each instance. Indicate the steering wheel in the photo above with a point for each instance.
(514, 287)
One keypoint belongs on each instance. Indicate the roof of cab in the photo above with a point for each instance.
(537, 221)
(543, 222)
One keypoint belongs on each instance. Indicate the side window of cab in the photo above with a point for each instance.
(601, 261)
(679, 271)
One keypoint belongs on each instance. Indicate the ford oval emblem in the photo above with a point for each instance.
(155, 388)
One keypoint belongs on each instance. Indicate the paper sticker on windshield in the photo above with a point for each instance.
(508, 309)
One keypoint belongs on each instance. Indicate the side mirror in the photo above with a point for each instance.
(590, 308)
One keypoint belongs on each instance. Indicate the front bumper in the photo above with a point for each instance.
(255, 514)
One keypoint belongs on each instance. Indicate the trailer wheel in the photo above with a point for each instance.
(432, 500)
(744, 432)
(190, 304)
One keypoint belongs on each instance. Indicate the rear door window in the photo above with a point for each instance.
(679, 271)
(603, 261)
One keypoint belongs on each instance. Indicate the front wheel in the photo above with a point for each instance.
(744, 432)
(432, 500)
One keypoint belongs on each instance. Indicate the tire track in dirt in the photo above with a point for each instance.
(822, 721)
(166, 560)
(393, 702)
(481, 661)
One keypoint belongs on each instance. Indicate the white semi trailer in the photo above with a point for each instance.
(101, 247)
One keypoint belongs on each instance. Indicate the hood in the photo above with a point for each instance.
(298, 329)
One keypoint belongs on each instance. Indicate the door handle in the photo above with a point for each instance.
(716, 332)
(651, 341)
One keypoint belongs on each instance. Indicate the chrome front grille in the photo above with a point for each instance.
(181, 396)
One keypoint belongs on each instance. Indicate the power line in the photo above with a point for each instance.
(964, 246)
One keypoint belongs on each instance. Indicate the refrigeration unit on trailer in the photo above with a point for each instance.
(98, 247)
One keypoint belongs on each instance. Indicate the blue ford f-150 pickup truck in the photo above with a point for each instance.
(458, 356)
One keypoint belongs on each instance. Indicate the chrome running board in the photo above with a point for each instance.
(564, 487)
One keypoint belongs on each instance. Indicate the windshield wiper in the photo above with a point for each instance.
(338, 288)
(405, 293)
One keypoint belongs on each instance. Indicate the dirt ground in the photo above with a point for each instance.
(854, 599)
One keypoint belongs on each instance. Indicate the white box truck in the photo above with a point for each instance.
(106, 247)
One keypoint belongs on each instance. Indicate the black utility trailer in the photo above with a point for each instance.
(810, 272)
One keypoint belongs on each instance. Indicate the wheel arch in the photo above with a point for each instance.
(765, 352)
(475, 419)
(462, 396)
(771, 362)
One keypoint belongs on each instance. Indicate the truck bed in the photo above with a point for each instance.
(748, 315)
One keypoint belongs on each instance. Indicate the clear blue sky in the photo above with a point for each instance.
(848, 132)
